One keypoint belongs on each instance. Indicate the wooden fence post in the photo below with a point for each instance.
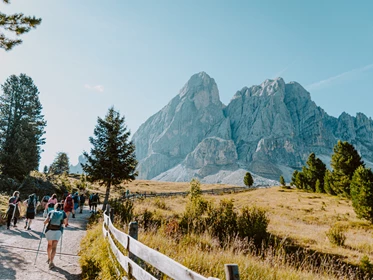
(231, 272)
(112, 214)
(133, 232)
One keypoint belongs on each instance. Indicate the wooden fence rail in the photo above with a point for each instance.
(154, 258)
(169, 194)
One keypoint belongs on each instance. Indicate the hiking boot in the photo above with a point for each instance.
(48, 260)
(28, 228)
(25, 226)
(51, 265)
(15, 226)
(7, 228)
(73, 215)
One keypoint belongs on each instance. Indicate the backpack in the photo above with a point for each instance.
(56, 219)
(31, 204)
(69, 202)
(76, 199)
(95, 198)
(82, 199)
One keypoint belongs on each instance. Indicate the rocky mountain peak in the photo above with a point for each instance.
(202, 89)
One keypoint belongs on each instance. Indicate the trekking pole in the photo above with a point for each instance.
(61, 244)
(41, 237)
(14, 211)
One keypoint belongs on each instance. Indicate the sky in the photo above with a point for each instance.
(89, 55)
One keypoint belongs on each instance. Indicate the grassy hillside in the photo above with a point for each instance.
(299, 219)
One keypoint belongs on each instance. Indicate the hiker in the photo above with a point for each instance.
(52, 201)
(56, 218)
(68, 206)
(95, 200)
(90, 202)
(76, 203)
(13, 209)
(44, 201)
(65, 194)
(81, 202)
(31, 204)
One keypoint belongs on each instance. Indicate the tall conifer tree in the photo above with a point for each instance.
(112, 157)
(21, 127)
(345, 161)
(60, 164)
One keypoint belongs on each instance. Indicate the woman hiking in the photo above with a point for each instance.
(31, 204)
(68, 206)
(13, 210)
(54, 221)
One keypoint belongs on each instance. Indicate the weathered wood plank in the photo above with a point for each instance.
(124, 261)
(163, 263)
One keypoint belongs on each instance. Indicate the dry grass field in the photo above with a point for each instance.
(299, 216)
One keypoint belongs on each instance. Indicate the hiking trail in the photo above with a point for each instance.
(18, 248)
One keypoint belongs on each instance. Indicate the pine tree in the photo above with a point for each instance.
(45, 170)
(294, 178)
(282, 181)
(21, 127)
(18, 24)
(328, 183)
(112, 157)
(314, 171)
(60, 164)
(319, 188)
(248, 180)
(362, 193)
(345, 161)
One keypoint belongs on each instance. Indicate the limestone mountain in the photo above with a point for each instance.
(268, 130)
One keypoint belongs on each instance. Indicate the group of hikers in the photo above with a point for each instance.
(56, 214)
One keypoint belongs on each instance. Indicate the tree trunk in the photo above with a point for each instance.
(107, 194)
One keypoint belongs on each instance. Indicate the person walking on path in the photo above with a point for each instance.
(13, 212)
(76, 199)
(81, 202)
(31, 204)
(68, 206)
(54, 221)
(95, 200)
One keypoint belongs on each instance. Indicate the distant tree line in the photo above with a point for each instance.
(348, 178)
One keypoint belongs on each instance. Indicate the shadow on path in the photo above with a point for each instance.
(8, 265)
(67, 274)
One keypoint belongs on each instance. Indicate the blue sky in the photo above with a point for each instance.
(137, 55)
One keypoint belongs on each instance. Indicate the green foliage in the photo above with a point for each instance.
(123, 211)
(252, 224)
(344, 162)
(222, 221)
(336, 235)
(16, 23)
(195, 208)
(366, 266)
(328, 183)
(282, 181)
(300, 180)
(195, 189)
(94, 256)
(319, 188)
(313, 171)
(45, 170)
(148, 220)
(112, 158)
(362, 193)
(248, 180)
(60, 164)
(21, 127)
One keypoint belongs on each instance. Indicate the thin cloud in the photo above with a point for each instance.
(340, 76)
(98, 88)
(279, 74)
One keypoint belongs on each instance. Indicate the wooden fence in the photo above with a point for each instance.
(169, 194)
(139, 253)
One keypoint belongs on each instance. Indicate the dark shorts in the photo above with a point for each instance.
(67, 209)
(30, 215)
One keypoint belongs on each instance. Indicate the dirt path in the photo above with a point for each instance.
(18, 251)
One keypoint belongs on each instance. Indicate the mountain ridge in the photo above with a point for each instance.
(267, 129)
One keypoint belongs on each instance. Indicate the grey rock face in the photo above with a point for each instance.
(171, 134)
(268, 129)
